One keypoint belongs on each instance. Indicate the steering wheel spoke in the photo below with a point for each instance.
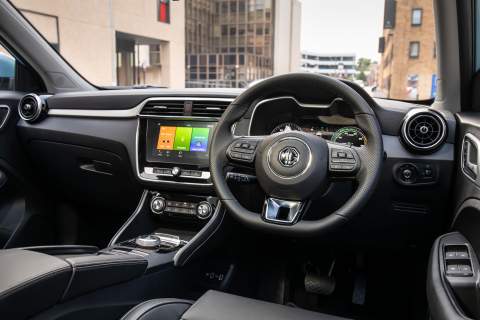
(242, 150)
(282, 211)
(343, 161)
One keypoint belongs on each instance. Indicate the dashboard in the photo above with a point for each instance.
(116, 144)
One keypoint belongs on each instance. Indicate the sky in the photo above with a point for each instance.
(342, 26)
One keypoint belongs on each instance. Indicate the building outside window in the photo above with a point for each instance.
(164, 11)
(417, 14)
(414, 50)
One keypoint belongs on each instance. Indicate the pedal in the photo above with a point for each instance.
(321, 284)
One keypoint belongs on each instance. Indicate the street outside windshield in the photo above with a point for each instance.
(386, 46)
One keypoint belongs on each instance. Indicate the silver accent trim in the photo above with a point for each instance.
(4, 106)
(303, 105)
(37, 113)
(310, 156)
(219, 210)
(417, 112)
(148, 241)
(171, 240)
(205, 174)
(132, 112)
(272, 207)
(475, 167)
(132, 217)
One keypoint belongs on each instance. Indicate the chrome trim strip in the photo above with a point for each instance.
(132, 217)
(128, 113)
(476, 142)
(272, 206)
(303, 105)
(219, 210)
(205, 174)
(4, 106)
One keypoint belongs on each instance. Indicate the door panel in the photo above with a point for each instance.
(23, 215)
(454, 267)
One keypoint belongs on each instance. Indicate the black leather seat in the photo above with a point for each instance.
(215, 305)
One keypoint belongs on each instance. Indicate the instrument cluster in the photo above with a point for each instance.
(348, 135)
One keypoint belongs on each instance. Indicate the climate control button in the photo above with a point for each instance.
(157, 205)
(204, 210)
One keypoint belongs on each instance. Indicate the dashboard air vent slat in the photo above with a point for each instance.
(164, 108)
(424, 130)
(409, 208)
(213, 109)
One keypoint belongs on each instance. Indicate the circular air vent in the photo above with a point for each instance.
(424, 130)
(30, 107)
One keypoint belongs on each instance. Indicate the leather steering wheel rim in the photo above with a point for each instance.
(367, 175)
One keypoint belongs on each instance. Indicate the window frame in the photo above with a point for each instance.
(410, 45)
(159, 13)
(412, 15)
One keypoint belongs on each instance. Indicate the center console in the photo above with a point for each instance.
(179, 207)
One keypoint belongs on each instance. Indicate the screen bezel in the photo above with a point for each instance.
(190, 157)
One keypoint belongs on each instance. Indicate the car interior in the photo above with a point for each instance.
(299, 197)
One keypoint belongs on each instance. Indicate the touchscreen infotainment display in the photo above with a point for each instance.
(178, 141)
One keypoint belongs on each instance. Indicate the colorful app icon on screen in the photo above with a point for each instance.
(199, 139)
(182, 139)
(166, 138)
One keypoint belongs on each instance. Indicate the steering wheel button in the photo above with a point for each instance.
(236, 155)
(247, 156)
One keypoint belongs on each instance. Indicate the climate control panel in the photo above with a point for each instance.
(181, 206)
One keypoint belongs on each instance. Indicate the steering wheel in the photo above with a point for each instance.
(294, 167)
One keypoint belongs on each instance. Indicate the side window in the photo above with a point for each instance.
(7, 70)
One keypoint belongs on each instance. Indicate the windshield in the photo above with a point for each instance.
(386, 46)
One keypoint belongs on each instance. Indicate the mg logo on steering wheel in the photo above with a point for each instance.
(288, 156)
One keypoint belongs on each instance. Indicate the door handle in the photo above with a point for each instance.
(97, 166)
(472, 166)
(470, 157)
(3, 179)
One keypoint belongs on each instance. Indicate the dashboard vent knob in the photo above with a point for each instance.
(31, 107)
(424, 130)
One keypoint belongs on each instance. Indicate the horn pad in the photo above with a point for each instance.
(292, 165)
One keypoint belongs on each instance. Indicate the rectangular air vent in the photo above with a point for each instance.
(164, 108)
(409, 208)
(210, 108)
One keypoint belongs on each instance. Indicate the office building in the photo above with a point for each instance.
(116, 42)
(230, 43)
(334, 65)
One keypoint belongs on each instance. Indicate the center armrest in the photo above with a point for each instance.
(215, 305)
(91, 272)
(33, 277)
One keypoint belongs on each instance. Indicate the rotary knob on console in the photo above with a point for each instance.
(149, 241)
(176, 171)
(157, 205)
(204, 210)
